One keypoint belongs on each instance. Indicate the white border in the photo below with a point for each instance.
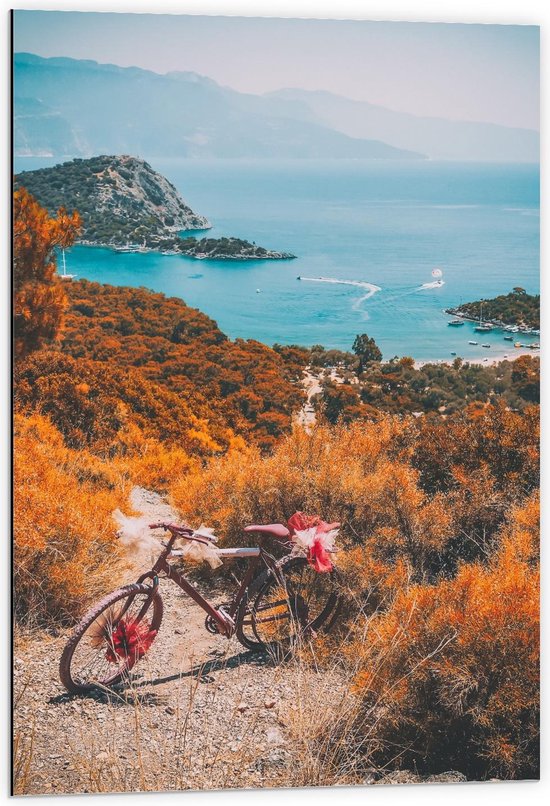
(493, 11)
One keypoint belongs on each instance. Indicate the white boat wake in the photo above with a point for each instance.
(434, 284)
(371, 288)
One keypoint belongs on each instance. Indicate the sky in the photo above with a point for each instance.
(469, 72)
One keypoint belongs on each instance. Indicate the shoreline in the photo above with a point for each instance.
(497, 324)
(271, 254)
(489, 361)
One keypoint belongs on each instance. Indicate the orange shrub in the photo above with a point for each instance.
(329, 472)
(450, 673)
(355, 474)
(65, 551)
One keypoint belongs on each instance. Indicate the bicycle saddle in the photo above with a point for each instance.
(274, 529)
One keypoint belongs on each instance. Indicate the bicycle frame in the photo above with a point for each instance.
(224, 620)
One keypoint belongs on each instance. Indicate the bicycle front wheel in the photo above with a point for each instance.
(283, 607)
(111, 638)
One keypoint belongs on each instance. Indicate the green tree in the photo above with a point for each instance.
(366, 350)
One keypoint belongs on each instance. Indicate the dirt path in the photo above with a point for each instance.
(200, 712)
(312, 386)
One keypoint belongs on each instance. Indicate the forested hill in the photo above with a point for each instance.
(121, 199)
(168, 365)
(125, 204)
(515, 308)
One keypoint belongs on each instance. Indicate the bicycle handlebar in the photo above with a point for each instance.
(173, 527)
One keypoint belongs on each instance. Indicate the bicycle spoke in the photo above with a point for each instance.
(113, 642)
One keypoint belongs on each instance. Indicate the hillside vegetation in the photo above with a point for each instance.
(515, 308)
(243, 383)
(124, 203)
(120, 199)
(437, 390)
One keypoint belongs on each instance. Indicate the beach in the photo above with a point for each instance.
(488, 361)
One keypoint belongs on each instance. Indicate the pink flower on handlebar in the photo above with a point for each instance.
(316, 538)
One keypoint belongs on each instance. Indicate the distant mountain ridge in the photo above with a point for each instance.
(67, 107)
(97, 108)
(440, 138)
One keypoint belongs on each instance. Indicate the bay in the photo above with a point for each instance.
(358, 225)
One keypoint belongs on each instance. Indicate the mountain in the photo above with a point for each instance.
(437, 137)
(120, 199)
(92, 108)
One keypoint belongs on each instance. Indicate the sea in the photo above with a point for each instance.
(368, 236)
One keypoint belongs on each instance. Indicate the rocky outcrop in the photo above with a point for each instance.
(121, 199)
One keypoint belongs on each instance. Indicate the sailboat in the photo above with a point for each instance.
(65, 276)
(483, 327)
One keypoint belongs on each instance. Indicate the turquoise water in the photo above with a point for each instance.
(385, 224)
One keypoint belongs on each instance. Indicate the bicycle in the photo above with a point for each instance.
(278, 602)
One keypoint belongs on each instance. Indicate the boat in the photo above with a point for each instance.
(483, 327)
(508, 338)
(453, 353)
(534, 346)
(473, 342)
(518, 344)
(65, 276)
(298, 278)
(456, 323)
(258, 291)
(485, 345)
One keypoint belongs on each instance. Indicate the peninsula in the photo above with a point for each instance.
(219, 249)
(127, 206)
(518, 309)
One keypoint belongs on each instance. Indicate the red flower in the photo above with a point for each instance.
(315, 537)
(319, 557)
(300, 521)
(130, 640)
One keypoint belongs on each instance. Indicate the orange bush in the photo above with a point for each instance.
(450, 674)
(110, 410)
(338, 473)
(65, 551)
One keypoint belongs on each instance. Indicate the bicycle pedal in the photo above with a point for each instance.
(214, 628)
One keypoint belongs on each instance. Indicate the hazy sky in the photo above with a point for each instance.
(472, 72)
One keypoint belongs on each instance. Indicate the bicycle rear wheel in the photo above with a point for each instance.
(111, 638)
(280, 609)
